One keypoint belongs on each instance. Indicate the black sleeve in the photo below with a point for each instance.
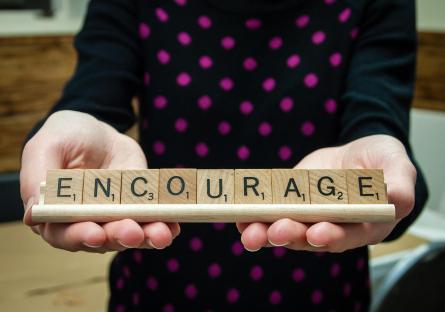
(380, 82)
(108, 70)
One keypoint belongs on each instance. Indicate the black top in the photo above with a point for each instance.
(251, 84)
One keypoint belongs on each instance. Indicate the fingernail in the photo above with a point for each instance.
(124, 245)
(278, 245)
(251, 250)
(91, 246)
(315, 245)
(150, 243)
(28, 205)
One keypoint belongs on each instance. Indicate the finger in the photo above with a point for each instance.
(73, 237)
(286, 232)
(158, 235)
(401, 177)
(38, 156)
(340, 237)
(123, 234)
(175, 229)
(254, 236)
(241, 226)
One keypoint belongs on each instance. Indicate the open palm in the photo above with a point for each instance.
(377, 151)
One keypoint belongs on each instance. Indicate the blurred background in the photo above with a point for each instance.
(37, 57)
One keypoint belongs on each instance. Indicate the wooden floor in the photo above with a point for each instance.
(37, 277)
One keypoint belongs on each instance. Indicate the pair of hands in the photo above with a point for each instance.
(71, 139)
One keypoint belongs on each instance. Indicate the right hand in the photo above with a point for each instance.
(70, 139)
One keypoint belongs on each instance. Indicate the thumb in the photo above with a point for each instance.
(38, 156)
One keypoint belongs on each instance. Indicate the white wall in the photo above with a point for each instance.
(428, 142)
(430, 15)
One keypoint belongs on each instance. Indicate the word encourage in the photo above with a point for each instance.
(215, 186)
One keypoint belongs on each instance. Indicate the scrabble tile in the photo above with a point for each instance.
(216, 186)
(140, 186)
(253, 186)
(64, 186)
(328, 187)
(366, 186)
(177, 186)
(102, 186)
(290, 186)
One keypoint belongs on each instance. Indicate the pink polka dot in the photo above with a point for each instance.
(120, 308)
(246, 107)
(120, 283)
(265, 128)
(286, 104)
(219, 226)
(152, 283)
(302, 21)
(181, 124)
(279, 252)
(317, 297)
(335, 59)
(232, 295)
(137, 256)
(204, 22)
(191, 291)
(204, 102)
(256, 273)
(162, 15)
(249, 64)
(344, 15)
(145, 124)
(307, 128)
(347, 290)
(293, 61)
(159, 147)
(163, 57)
(172, 265)
(275, 297)
(275, 43)
(330, 106)
(228, 42)
(284, 152)
(318, 37)
(243, 152)
(183, 79)
(135, 298)
(311, 80)
(237, 248)
(126, 271)
(224, 127)
(181, 2)
(298, 275)
(201, 149)
(226, 84)
(335, 270)
(146, 78)
(144, 31)
(168, 308)
(184, 38)
(269, 84)
(360, 264)
(329, 2)
(205, 61)
(196, 244)
(354, 33)
(253, 23)
(160, 102)
(214, 270)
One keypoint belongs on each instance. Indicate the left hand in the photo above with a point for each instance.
(376, 151)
